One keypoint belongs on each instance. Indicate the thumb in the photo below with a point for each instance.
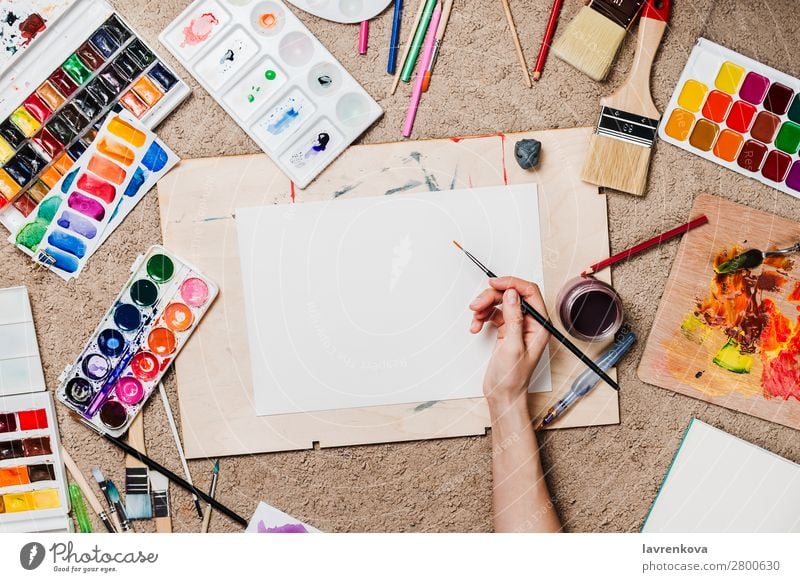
(513, 317)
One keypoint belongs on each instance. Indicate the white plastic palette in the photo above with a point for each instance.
(739, 113)
(275, 79)
(344, 11)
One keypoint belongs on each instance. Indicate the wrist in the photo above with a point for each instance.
(505, 405)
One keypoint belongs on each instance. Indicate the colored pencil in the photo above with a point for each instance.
(407, 48)
(643, 246)
(517, 46)
(448, 7)
(91, 498)
(181, 455)
(391, 66)
(545, 323)
(552, 22)
(212, 491)
(416, 43)
(363, 37)
(416, 94)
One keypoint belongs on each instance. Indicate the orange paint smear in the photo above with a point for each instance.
(736, 304)
(268, 20)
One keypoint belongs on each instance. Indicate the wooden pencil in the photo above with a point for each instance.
(407, 48)
(643, 246)
(517, 46)
(552, 22)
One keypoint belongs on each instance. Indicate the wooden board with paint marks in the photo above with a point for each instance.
(732, 340)
(197, 202)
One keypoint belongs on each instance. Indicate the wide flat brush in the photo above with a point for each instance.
(138, 503)
(161, 509)
(591, 41)
(547, 324)
(620, 148)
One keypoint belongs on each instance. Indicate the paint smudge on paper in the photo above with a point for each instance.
(285, 528)
(407, 186)
(199, 29)
(430, 179)
(742, 324)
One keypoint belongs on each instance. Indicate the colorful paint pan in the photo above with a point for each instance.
(86, 199)
(738, 113)
(137, 340)
(32, 478)
(273, 76)
(111, 69)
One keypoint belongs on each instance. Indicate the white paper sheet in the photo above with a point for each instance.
(268, 519)
(721, 484)
(364, 302)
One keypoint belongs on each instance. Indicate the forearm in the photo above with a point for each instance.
(520, 496)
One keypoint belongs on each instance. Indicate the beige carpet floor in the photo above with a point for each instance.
(602, 479)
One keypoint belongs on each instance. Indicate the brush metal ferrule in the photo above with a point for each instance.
(137, 481)
(622, 12)
(627, 127)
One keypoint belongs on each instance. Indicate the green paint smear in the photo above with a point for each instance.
(270, 74)
(30, 235)
(732, 359)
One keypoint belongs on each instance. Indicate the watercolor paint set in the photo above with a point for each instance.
(76, 216)
(739, 113)
(33, 490)
(137, 340)
(270, 73)
(56, 94)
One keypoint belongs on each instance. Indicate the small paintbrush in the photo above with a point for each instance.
(212, 491)
(116, 499)
(545, 323)
(620, 148)
(112, 508)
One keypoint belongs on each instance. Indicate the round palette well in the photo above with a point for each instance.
(343, 11)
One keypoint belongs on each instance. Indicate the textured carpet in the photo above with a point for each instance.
(603, 479)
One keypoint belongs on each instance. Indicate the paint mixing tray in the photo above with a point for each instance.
(738, 113)
(267, 70)
(137, 340)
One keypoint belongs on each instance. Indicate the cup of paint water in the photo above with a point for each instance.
(589, 309)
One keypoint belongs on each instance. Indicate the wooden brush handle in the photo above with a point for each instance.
(163, 524)
(634, 95)
(136, 440)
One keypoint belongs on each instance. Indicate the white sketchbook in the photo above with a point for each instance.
(364, 302)
(718, 483)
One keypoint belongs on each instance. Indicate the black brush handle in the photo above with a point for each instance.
(141, 457)
(545, 323)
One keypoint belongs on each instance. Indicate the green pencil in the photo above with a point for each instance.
(79, 509)
(416, 44)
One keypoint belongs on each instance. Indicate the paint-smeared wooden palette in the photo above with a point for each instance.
(680, 357)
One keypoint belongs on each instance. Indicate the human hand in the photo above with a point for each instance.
(520, 340)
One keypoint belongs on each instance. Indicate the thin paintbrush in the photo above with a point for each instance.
(87, 491)
(112, 509)
(180, 482)
(174, 428)
(212, 491)
(545, 323)
(620, 148)
(515, 37)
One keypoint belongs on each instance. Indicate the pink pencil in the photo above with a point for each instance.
(363, 35)
(427, 53)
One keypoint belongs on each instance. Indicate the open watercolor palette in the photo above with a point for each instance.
(33, 493)
(280, 84)
(74, 218)
(137, 340)
(58, 92)
(739, 113)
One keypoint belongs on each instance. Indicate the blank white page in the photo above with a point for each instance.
(364, 302)
(719, 483)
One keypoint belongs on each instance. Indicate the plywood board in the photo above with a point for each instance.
(197, 202)
(681, 349)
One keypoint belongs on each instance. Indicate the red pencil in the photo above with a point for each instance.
(677, 231)
(547, 39)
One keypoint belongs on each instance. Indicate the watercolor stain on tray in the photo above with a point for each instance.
(743, 335)
(22, 22)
